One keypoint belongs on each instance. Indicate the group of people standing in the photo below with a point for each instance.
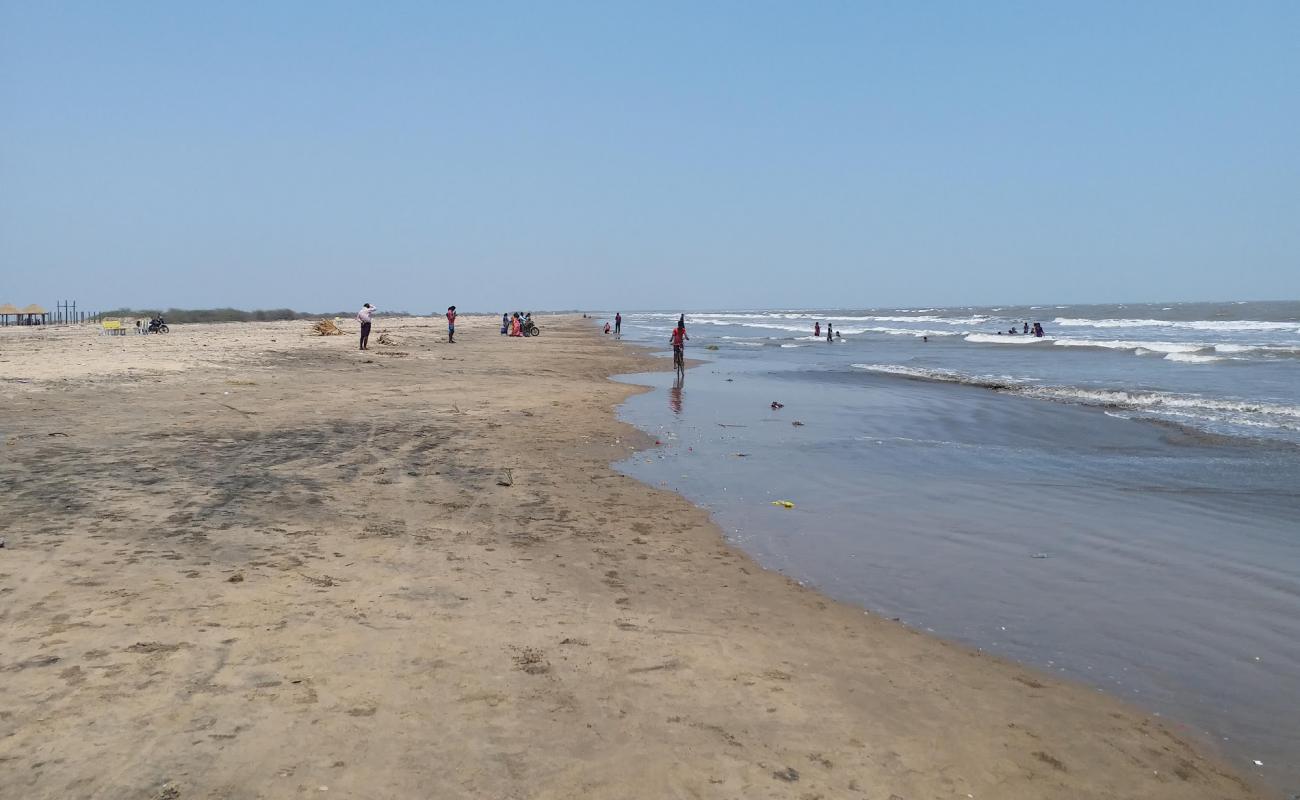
(1037, 330)
(515, 324)
(831, 335)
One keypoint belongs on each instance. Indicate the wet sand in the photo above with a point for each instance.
(242, 561)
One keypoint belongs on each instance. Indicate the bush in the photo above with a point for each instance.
(192, 315)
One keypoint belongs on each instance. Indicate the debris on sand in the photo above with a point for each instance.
(153, 647)
(324, 581)
(776, 406)
(531, 660)
(327, 327)
(386, 338)
(168, 792)
(789, 775)
(506, 478)
(238, 577)
(783, 503)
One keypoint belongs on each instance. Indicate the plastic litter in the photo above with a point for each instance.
(783, 503)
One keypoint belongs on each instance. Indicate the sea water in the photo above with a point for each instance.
(1117, 501)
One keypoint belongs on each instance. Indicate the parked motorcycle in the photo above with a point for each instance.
(156, 325)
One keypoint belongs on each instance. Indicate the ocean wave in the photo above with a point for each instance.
(1194, 324)
(913, 332)
(1192, 358)
(1260, 414)
(1150, 347)
(1268, 350)
(995, 338)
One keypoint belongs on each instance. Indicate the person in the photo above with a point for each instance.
(516, 327)
(505, 323)
(837, 335)
(1012, 330)
(606, 328)
(828, 332)
(817, 330)
(1038, 329)
(618, 325)
(363, 316)
(451, 324)
(925, 338)
(679, 338)
(1026, 327)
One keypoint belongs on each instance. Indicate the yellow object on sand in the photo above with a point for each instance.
(783, 503)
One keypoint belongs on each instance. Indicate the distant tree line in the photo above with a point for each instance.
(183, 315)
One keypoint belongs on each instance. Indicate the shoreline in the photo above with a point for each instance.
(444, 588)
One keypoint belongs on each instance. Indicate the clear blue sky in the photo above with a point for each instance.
(675, 155)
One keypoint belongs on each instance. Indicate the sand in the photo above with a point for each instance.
(246, 562)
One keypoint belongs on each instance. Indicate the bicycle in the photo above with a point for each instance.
(679, 359)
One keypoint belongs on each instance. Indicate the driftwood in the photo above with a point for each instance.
(327, 327)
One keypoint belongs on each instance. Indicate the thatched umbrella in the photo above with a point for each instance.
(7, 310)
(34, 311)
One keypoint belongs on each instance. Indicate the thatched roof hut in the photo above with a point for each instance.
(34, 309)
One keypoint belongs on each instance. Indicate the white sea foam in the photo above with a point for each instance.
(1245, 412)
(918, 332)
(993, 338)
(1192, 358)
(1150, 347)
(1193, 324)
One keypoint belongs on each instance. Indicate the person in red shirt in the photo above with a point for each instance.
(679, 340)
(451, 324)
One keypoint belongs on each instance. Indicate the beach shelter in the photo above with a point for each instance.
(6, 311)
(33, 311)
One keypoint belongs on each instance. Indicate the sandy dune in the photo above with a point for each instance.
(245, 562)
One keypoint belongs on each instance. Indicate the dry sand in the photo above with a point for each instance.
(244, 562)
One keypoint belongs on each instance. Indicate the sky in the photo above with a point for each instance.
(600, 155)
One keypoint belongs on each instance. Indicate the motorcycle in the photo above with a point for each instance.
(530, 328)
(156, 325)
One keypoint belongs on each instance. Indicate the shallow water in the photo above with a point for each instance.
(1156, 561)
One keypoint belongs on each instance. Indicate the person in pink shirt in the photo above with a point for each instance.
(451, 324)
(363, 316)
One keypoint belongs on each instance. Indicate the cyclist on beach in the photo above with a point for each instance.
(679, 340)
